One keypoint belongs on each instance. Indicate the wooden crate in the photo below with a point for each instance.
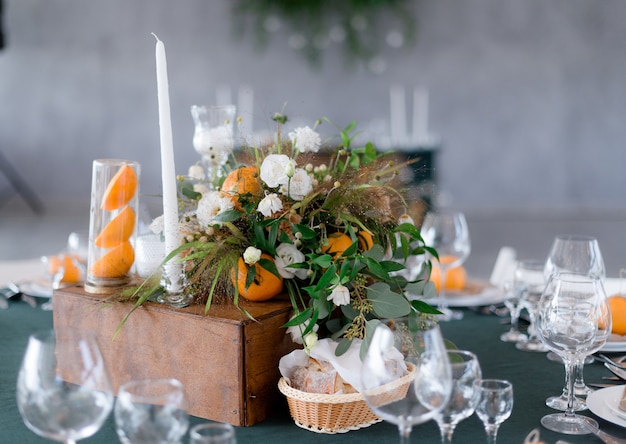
(227, 362)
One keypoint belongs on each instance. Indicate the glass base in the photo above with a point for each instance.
(176, 300)
(449, 315)
(560, 403)
(513, 336)
(532, 345)
(568, 424)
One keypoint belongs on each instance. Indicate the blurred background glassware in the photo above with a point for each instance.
(151, 411)
(212, 433)
(574, 318)
(574, 254)
(63, 390)
(465, 371)
(495, 404)
(416, 342)
(447, 232)
(529, 282)
(213, 138)
(513, 301)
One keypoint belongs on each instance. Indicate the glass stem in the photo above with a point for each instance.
(492, 433)
(443, 304)
(515, 320)
(405, 433)
(447, 430)
(569, 379)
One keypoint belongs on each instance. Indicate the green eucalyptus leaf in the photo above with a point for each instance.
(424, 307)
(387, 303)
(343, 346)
(228, 216)
(376, 253)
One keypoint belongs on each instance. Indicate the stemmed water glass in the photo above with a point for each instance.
(495, 404)
(446, 231)
(465, 371)
(398, 347)
(529, 282)
(575, 254)
(151, 411)
(574, 318)
(63, 391)
(513, 301)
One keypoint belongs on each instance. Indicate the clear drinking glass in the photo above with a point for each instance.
(513, 301)
(495, 404)
(212, 433)
(447, 232)
(574, 319)
(408, 346)
(151, 411)
(63, 391)
(575, 254)
(529, 281)
(465, 371)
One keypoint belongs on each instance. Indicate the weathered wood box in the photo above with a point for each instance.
(227, 362)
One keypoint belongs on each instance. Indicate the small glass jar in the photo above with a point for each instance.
(112, 224)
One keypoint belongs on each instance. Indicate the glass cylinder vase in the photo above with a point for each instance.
(112, 224)
(213, 138)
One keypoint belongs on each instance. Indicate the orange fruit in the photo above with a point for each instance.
(455, 277)
(115, 263)
(121, 189)
(265, 286)
(71, 273)
(241, 181)
(117, 230)
(337, 244)
(366, 241)
(618, 313)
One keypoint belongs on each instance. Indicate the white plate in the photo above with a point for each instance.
(604, 402)
(488, 295)
(614, 346)
(39, 288)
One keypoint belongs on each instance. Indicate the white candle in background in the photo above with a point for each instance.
(420, 115)
(245, 107)
(397, 103)
(171, 230)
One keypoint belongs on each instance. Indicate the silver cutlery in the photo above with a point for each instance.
(612, 362)
(605, 437)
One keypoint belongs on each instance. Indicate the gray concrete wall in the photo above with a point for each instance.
(529, 96)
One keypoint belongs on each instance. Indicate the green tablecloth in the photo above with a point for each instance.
(534, 377)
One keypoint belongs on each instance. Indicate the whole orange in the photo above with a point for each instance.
(242, 181)
(337, 244)
(366, 241)
(265, 286)
(455, 277)
(618, 313)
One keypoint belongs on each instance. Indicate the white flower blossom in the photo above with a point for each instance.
(252, 255)
(340, 295)
(296, 331)
(210, 205)
(288, 254)
(201, 188)
(270, 204)
(274, 169)
(196, 172)
(299, 186)
(310, 341)
(305, 139)
(405, 219)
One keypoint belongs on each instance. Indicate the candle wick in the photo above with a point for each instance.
(155, 36)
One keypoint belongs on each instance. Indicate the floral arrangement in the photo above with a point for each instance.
(327, 228)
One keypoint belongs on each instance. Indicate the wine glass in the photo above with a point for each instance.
(575, 254)
(465, 371)
(398, 347)
(151, 411)
(529, 282)
(212, 433)
(446, 231)
(513, 302)
(63, 391)
(495, 404)
(574, 318)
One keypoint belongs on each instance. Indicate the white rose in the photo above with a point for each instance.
(196, 172)
(299, 186)
(270, 204)
(340, 295)
(252, 255)
(310, 340)
(305, 139)
(209, 206)
(274, 169)
(288, 254)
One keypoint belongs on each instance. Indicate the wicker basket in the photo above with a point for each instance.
(339, 413)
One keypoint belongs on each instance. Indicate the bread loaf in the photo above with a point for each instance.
(319, 377)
